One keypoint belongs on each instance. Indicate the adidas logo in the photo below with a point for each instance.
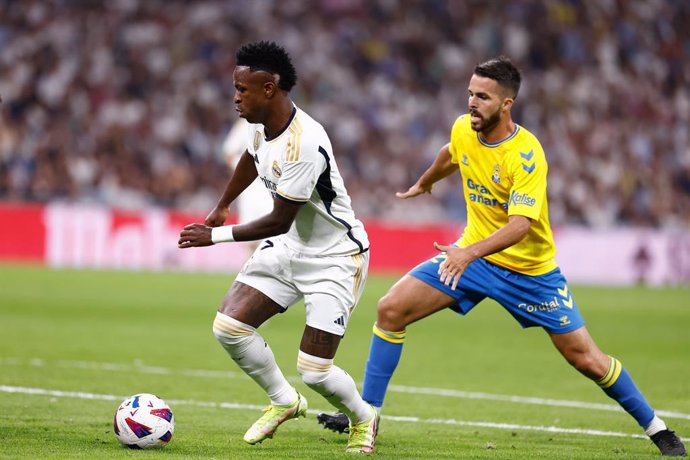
(340, 321)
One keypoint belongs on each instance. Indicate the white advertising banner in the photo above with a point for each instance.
(624, 256)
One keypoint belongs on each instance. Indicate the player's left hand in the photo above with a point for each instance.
(453, 265)
(195, 235)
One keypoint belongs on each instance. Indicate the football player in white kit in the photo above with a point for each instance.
(312, 247)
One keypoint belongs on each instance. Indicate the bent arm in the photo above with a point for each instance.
(510, 234)
(277, 222)
(244, 174)
(441, 168)
(459, 258)
(242, 177)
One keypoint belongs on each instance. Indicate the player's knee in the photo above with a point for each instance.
(391, 314)
(313, 379)
(230, 332)
(585, 363)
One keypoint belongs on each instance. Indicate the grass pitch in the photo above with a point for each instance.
(73, 344)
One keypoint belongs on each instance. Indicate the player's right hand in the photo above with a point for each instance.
(194, 236)
(415, 190)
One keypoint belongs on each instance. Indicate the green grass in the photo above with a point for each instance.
(118, 333)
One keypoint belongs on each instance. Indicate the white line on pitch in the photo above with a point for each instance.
(239, 406)
(205, 373)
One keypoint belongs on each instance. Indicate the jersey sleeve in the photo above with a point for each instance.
(300, 173)
(455, 135)
(528, 194)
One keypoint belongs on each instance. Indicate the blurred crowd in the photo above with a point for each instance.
(127, 102)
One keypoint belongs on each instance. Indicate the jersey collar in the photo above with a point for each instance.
(277, 135)
(496, 144)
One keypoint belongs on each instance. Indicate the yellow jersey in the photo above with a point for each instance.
(500, 180)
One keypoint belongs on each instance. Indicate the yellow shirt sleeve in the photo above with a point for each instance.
(528, 194)
(455, 134)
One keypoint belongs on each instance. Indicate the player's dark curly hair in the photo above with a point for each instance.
(270, 57)
(503, 71)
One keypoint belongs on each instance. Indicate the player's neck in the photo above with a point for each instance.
(501, 131)
(278, 118)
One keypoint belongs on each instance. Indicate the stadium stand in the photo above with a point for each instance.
(126, 103)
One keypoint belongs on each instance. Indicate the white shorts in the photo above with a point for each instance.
(331, 286)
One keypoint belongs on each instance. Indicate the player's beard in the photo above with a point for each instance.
(487, 124)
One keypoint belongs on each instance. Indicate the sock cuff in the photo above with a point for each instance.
(389, 336)
(227, 325)
(612, 374)
(655, 426)
(310, 363)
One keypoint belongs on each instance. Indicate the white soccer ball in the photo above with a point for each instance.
(143, 421)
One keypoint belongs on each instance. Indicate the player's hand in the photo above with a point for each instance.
(217, 216)
(415, 190)
(453, 265)
(195, 235)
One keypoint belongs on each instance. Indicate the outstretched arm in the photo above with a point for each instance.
(458, 258)
(441, 168)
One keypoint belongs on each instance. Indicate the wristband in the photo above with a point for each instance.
(222, 234)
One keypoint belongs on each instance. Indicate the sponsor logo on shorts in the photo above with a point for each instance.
(564, 320)
(340, 321)
(547, 306)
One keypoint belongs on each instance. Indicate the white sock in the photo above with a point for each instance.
(249, 350)
(655, 426)
(334, 384)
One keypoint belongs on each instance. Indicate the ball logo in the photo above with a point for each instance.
(275, 168)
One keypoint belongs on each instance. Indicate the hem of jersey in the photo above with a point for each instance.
(556, 267)
(290, 200)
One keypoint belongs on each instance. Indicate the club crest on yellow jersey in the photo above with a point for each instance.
(496, 176)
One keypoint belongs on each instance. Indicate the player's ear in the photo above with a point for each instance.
(271, 86)
(507, 103)
(270, 89)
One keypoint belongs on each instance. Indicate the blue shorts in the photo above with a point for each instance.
(543, 300)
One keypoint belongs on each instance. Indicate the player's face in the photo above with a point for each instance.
(251, 94)
(485, 103)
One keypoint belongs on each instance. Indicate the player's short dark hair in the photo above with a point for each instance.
(270, 57)
(503, 71)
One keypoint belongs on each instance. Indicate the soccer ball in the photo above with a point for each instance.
(143, 421)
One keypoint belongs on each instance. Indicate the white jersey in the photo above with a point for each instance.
(297, 165)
